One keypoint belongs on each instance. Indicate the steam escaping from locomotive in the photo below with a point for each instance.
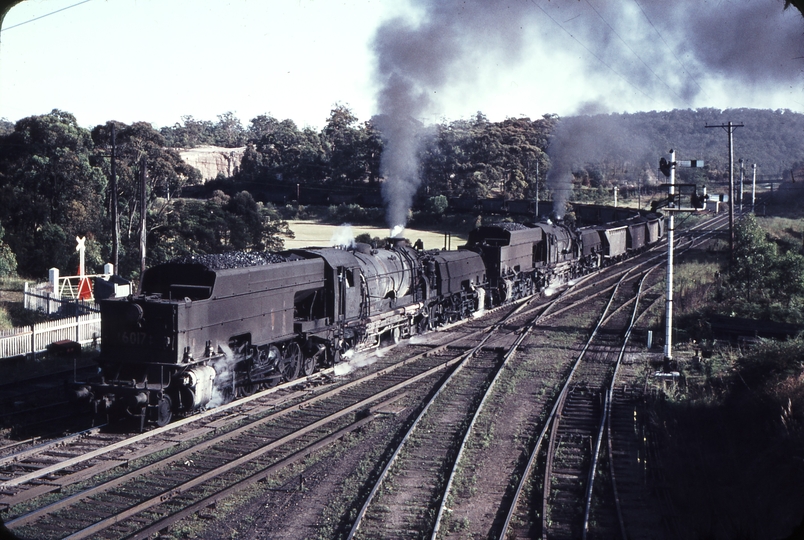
(224, 368)
(354, 361)
(419, 57)
(399, 163)
(584, 139)
(343, 237)
(397, 230)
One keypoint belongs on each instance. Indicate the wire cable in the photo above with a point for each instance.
(633, 51)
(45, 15)
(669, 48)
(593, 54)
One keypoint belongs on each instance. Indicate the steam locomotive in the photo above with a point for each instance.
(204, 330)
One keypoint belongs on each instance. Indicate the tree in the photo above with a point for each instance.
(478, 158)
(228, 131)
(353, 150)
(765, 281)
(218, 224)
(754, 257)
(6, 127)
(49, 191)
(8, 262)
(167, 174)
(280, 152)
(189, 133)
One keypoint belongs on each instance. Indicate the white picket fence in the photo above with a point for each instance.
(50, 303)
(84, 329)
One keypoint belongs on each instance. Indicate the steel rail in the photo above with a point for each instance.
(469, 430)
(460, 361)
(230, 465)
(228, 435)
(552, 417)
(607, 409)
(167, 521)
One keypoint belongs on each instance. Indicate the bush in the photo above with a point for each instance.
(771, 361)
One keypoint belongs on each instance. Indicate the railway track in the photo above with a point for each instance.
(462, 518)
(402, 503)
(190, 475)
(573, 505)
(281, 419)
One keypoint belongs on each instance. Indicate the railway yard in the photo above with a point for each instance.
(526, 421)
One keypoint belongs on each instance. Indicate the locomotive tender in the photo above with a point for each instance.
(204, 330)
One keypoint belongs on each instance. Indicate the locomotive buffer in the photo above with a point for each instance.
(676, 195)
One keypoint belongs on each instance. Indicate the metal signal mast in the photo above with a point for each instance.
(673, 204)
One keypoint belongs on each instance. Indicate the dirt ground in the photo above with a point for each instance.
(311, 233)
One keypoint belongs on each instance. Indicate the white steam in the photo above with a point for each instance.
(343, 237)
(224, 368)
(353, 362)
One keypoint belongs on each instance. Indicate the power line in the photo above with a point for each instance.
(45, 15)
(592, 53)
(668, 47)
(632, 50)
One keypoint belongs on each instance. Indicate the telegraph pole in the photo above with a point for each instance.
(742, 175)
(537, 189)
(115, 219)
(143, 203)
(730, 127)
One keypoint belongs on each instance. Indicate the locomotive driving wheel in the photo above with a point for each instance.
(307, 365)
(291, 362)
(164, 411)
(246, 390)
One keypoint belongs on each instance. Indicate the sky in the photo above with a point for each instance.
(160, 60)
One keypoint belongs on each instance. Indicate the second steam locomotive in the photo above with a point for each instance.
(206, 329)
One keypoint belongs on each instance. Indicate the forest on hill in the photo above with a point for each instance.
(55, 175)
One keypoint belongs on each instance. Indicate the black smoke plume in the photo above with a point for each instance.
(637, 55)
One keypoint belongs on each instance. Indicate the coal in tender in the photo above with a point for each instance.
(509, 226)
(232, 259)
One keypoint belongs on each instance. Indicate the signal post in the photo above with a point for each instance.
(671, 205)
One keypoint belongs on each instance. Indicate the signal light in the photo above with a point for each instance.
(665, 167)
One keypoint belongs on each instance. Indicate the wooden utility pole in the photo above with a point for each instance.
(730, 127)
(143, 201)
(115, 218)
(537, 190)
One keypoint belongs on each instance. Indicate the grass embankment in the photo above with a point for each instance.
(731, 433)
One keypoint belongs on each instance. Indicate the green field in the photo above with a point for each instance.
(311, 233)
